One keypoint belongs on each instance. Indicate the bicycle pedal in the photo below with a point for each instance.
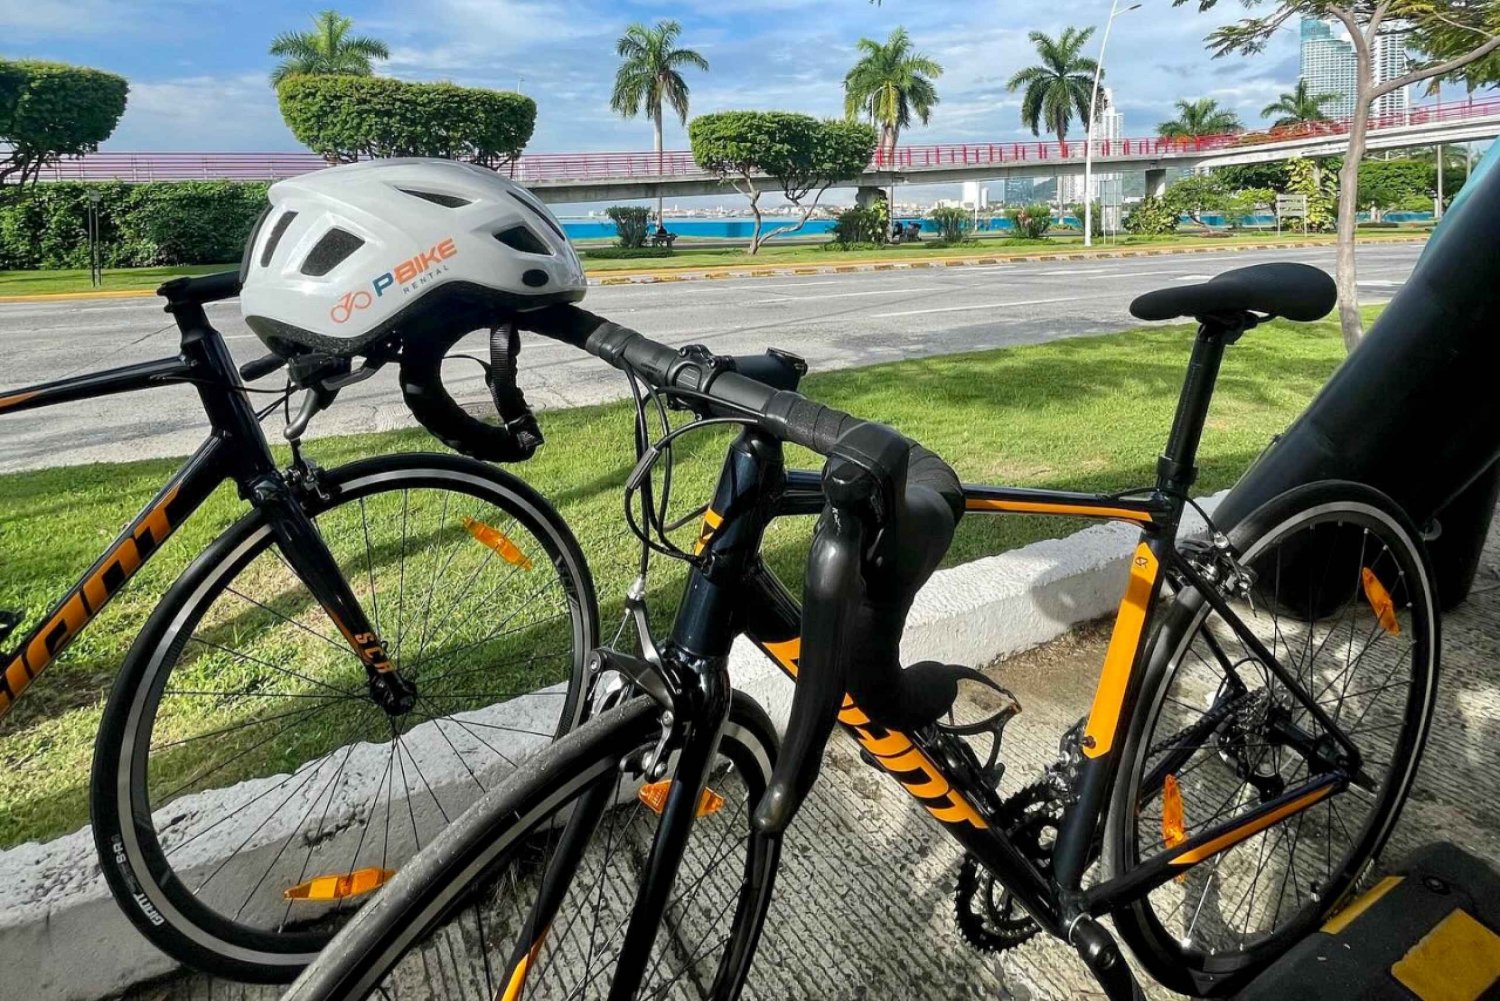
(9, 623)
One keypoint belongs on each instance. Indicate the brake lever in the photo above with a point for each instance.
(831, 595)
(323, 391)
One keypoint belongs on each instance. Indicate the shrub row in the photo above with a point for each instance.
(140, 225)
(624, 253)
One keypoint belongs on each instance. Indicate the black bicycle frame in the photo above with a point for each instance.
(730, 591)
(235, 450)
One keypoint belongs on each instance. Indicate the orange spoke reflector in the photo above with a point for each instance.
(655, 797)
(1173, 831)
(1380, 600)
(498, 541)
(349, 884)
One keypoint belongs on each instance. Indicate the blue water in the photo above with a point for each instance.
(735, 229)
(740, 229)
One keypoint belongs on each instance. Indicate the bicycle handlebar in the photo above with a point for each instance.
(891, 509)
(514, 439)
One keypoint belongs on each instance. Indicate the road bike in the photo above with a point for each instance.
(333, 678)
(1260, 715)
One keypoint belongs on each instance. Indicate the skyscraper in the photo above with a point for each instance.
(1109, 123)
(1328, 67)
(1391, 60)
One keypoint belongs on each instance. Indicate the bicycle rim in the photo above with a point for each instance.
(1343, 601)
(463, 922)
(261, 795)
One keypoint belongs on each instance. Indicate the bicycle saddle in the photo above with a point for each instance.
(1295, 291)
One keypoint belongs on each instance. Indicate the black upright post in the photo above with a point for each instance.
(1414, 411)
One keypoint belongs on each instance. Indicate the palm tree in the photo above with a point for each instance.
(649, 73)
(1298, 106)
(1059, 87)
(327, 50)
(1202, 117)
(890, 84)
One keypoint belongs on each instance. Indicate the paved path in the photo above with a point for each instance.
(864, 907)
(834, 321)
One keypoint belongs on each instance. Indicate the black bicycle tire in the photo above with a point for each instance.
(376, 938)
(130, 856)
(1152, 945)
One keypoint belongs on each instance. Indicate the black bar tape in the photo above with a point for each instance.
(435, 409)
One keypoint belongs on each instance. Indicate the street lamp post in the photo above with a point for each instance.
(1088, 146)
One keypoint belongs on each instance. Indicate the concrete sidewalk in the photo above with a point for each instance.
(864, 906)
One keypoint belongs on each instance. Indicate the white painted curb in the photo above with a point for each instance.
(65, 940)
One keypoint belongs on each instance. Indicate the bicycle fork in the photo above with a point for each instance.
(309, 557)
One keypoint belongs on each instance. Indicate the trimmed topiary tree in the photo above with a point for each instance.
(52, 110)
(798, 155)
(344, 118)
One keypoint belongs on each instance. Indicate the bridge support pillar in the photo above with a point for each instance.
(868, 195)
(1156, 181)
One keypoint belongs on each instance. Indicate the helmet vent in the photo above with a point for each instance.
(540, 212)
(277, 232)
(437, 198)
(523, 239)
(331, 251)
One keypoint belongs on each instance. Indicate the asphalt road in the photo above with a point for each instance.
(833, 321)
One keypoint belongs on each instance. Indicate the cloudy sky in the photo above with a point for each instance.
(198, 68)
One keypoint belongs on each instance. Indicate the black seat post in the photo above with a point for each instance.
(1176, 469)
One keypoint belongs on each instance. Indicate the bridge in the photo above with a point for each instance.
(591, 177)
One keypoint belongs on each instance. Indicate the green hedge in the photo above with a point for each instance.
(344, 117)
(625, 253)
(140, 225)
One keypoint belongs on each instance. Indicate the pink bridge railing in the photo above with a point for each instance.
(563, 168)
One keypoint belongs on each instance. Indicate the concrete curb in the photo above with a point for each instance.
(664, 275)
(64, 936)
(130, 293)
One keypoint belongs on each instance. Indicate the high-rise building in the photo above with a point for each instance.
(1328, 67)
(1391, 61)
(1109, 123)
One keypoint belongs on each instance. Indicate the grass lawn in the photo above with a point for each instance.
(772, 255)
(704, 255)
(115, 279)
(1086, 413)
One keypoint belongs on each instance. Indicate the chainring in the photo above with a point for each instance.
(989, 918)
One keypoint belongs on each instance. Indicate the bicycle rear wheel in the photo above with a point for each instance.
(457, 924)
(1342, 598)
(248, 792)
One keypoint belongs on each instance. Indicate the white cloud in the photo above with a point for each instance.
(220, 114)
(32, 20)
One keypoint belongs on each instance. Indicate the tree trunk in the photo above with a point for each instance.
(754, 211)
(1344, 274)
(807, 211)
(656, 121)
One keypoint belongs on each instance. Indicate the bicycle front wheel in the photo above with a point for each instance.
(461, 922)
(248, 793)
(1342, 599)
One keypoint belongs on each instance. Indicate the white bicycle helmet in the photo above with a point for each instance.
(390, 250)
